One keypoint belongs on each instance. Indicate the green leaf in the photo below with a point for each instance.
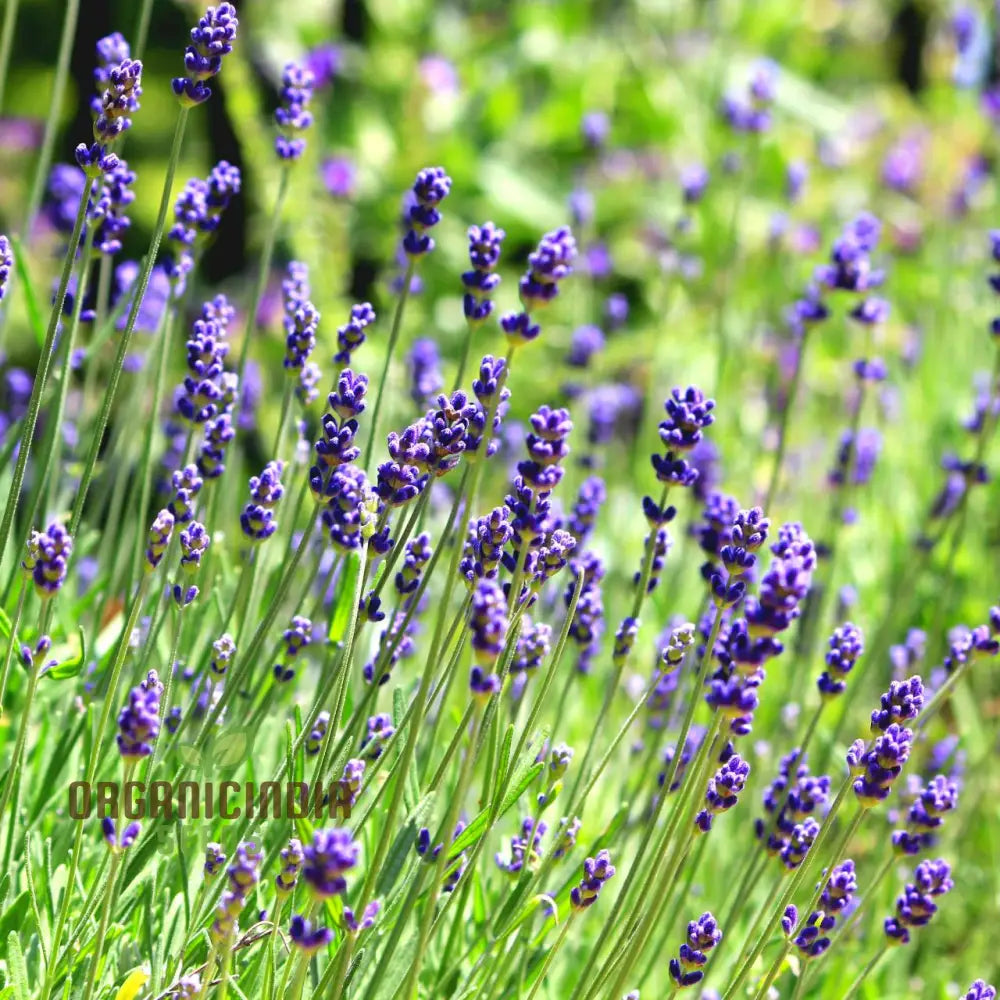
(15, 915)
(72, 666)
(477, 827)
(5, 626)
(504, 759)
(402, 847)
(16, 968)
(343, 600)
(30, 299)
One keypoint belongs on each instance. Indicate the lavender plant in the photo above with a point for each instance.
(466, 654)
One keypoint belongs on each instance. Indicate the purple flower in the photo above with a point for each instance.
(367, 920)
(703, 935)
(339, 176)
(980, 990)
(292, 115)
(241, 878)
(901, 703)
(877, 768)
(351, 335)
(331, 854)
(424, 364)
(482, 280)
(215, 858)
(596, 871)
(548, 265)
(723, 790)
(845, 646)
(488, 622)
(595, 126)
(292, 857)
(916, 906)
(139, 720)
(46, 559)
(838, 892)
(211, 39)
(123, 842)
(926, 815)
(430, 188)
(584, 344)
(694, 180)
(306, 937)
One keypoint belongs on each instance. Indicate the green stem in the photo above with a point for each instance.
(22, 732)
(41, 377)
(146, 458)
(552, 954)
(866, 971)
(286, 406)
(6, 41)
(109, 895)
(142, 29)
(786, 410)
(397, 320)
(12, 642)
(95, 756)
(123, 344)
(776, 965)
(41, 175)
(262, 275)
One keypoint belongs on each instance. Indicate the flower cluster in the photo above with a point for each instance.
(293, 115)
(482, 280)
(47, 558)
(791, 799)
(525, 848)
(139, 720)
(813, 937)
(845, 646)
(876, 767)
(257, 519)
(429, 189)
(752, 113)
(549, 264)
(688, 969)
(211, 39)
(916, 906)
(208, 390)
(242, 876)
(596, 871)
(328, 857)
(723, 791)
(926, 815)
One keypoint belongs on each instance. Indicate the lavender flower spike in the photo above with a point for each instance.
(211, 39)
(6, 263)
(293, 115)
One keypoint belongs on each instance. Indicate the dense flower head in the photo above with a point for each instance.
(195, 541)
(525, 847)
(351, 335)
(534, 643)
(926, 815)
(793, 795)
(215, 858)
(484, 546)
(314, 741)
(845, 646)
(723, 790)
(186, 484)
(241, 878)
(550, 263)
(857, 456)
(379, 731)
(752, 112)
(801, 839)
(351, 507)
(139, 720)
(328, 857)
(482, 280)
(292, 115)
(107, 208)
(431, 187)
(292, 857)
(223, 651)
(850, 267)
(488, 621)
(47, 557)
(596, 871)
(916, 906)
(123, 88)
(785, 584)
(368, 917)
(306, 936)
(880, 765)
(813, 939)
(211, 39)
(980, 990)
(589, 501)
(901, 703)
(218, 434)
(703, 935)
